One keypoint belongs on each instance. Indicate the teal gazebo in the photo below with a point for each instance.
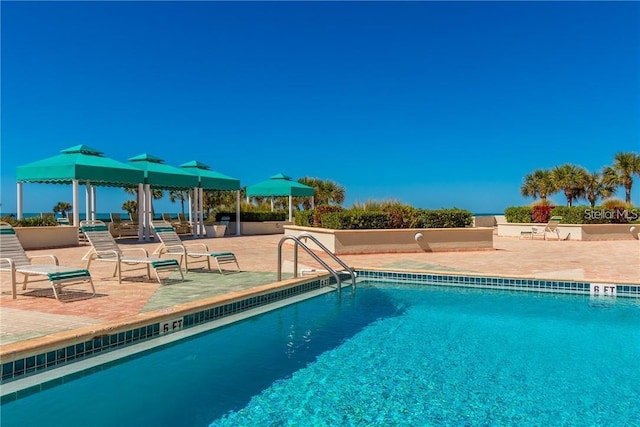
(210, 180)
(77, 164)
(157, 175)
(280, 185)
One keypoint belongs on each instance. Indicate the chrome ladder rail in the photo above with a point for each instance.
(299, 243)
(347, 269)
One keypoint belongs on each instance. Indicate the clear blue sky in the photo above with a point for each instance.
(435, 104)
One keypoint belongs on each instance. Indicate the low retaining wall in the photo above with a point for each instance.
(342, 242)
(257, 228)
(571, 231)
(59, 236)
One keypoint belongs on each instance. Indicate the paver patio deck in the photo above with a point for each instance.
(35, 313)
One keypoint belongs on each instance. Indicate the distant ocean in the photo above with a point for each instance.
(106, 217)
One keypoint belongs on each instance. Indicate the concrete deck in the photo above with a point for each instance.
(35, 313)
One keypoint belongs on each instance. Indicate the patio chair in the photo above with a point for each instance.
(105, 248)
(14, 260)
(171, 244)
(551, 227)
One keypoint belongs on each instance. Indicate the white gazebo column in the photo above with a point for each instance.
(93, 203)
(238, 225)
(272, 204)
(19, 200)
(148, 213)
(140, 212)
(191, 194)
(290, 208)
(201, 212)
(75, 202)
(87, 200)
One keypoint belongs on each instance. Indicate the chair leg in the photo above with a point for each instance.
(24, 283)
(13, 283)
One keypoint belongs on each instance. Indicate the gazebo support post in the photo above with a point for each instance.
(191, 196)
(140, 212)
(238, 213)
(148, 213)
(76, 202)
(87, 200)
(290, 208)
(19, 200)
(94, 209)
(201, 212)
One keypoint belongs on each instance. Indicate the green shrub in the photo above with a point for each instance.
(518, 214)
(321, 211)
(34, 221)
(355, 220)
(254, 216)
(445, 218)
(402, 216)
(304, 218)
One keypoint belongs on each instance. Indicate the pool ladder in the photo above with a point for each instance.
(298, 242)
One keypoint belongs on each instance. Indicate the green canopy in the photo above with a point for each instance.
(81, 163)
(161, 176)
(210, 180)
(279, 185)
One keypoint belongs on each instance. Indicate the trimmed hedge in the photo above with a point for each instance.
(445, 218)
(518, 214)
(575, 214)
(395, 217)
(254, 216)
(34, 221)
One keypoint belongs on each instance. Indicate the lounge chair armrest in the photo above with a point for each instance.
(179, 248)
(101, 253)
(146, 254)
(53, 257)
(12, 264)
(204, 247)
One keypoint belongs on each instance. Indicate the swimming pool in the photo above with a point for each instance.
(388, 355)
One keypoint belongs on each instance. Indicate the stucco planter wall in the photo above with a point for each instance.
(48, 237)
(342, 242)
(571, 231)
(261, 227)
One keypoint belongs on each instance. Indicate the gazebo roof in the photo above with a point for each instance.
(81, 163)
(211, 180)
(280, 185)
(162, 176)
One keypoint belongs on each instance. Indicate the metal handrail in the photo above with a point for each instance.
(314, 239)
(310, 252)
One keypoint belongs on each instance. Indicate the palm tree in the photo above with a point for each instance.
(571, 179)
(539, 183)
(595, 188)
(156, 194)
(625, 165)
(130, 206)
(326, 192)
(175, 195)
(62, 208)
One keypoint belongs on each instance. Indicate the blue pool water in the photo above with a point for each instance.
(390, 355)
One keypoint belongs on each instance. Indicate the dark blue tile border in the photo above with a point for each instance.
(100, 344)
(39, 362)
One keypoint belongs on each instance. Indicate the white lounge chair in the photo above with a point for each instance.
(105, 248)
(14, 259)
(551, 227)
(173, 245)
